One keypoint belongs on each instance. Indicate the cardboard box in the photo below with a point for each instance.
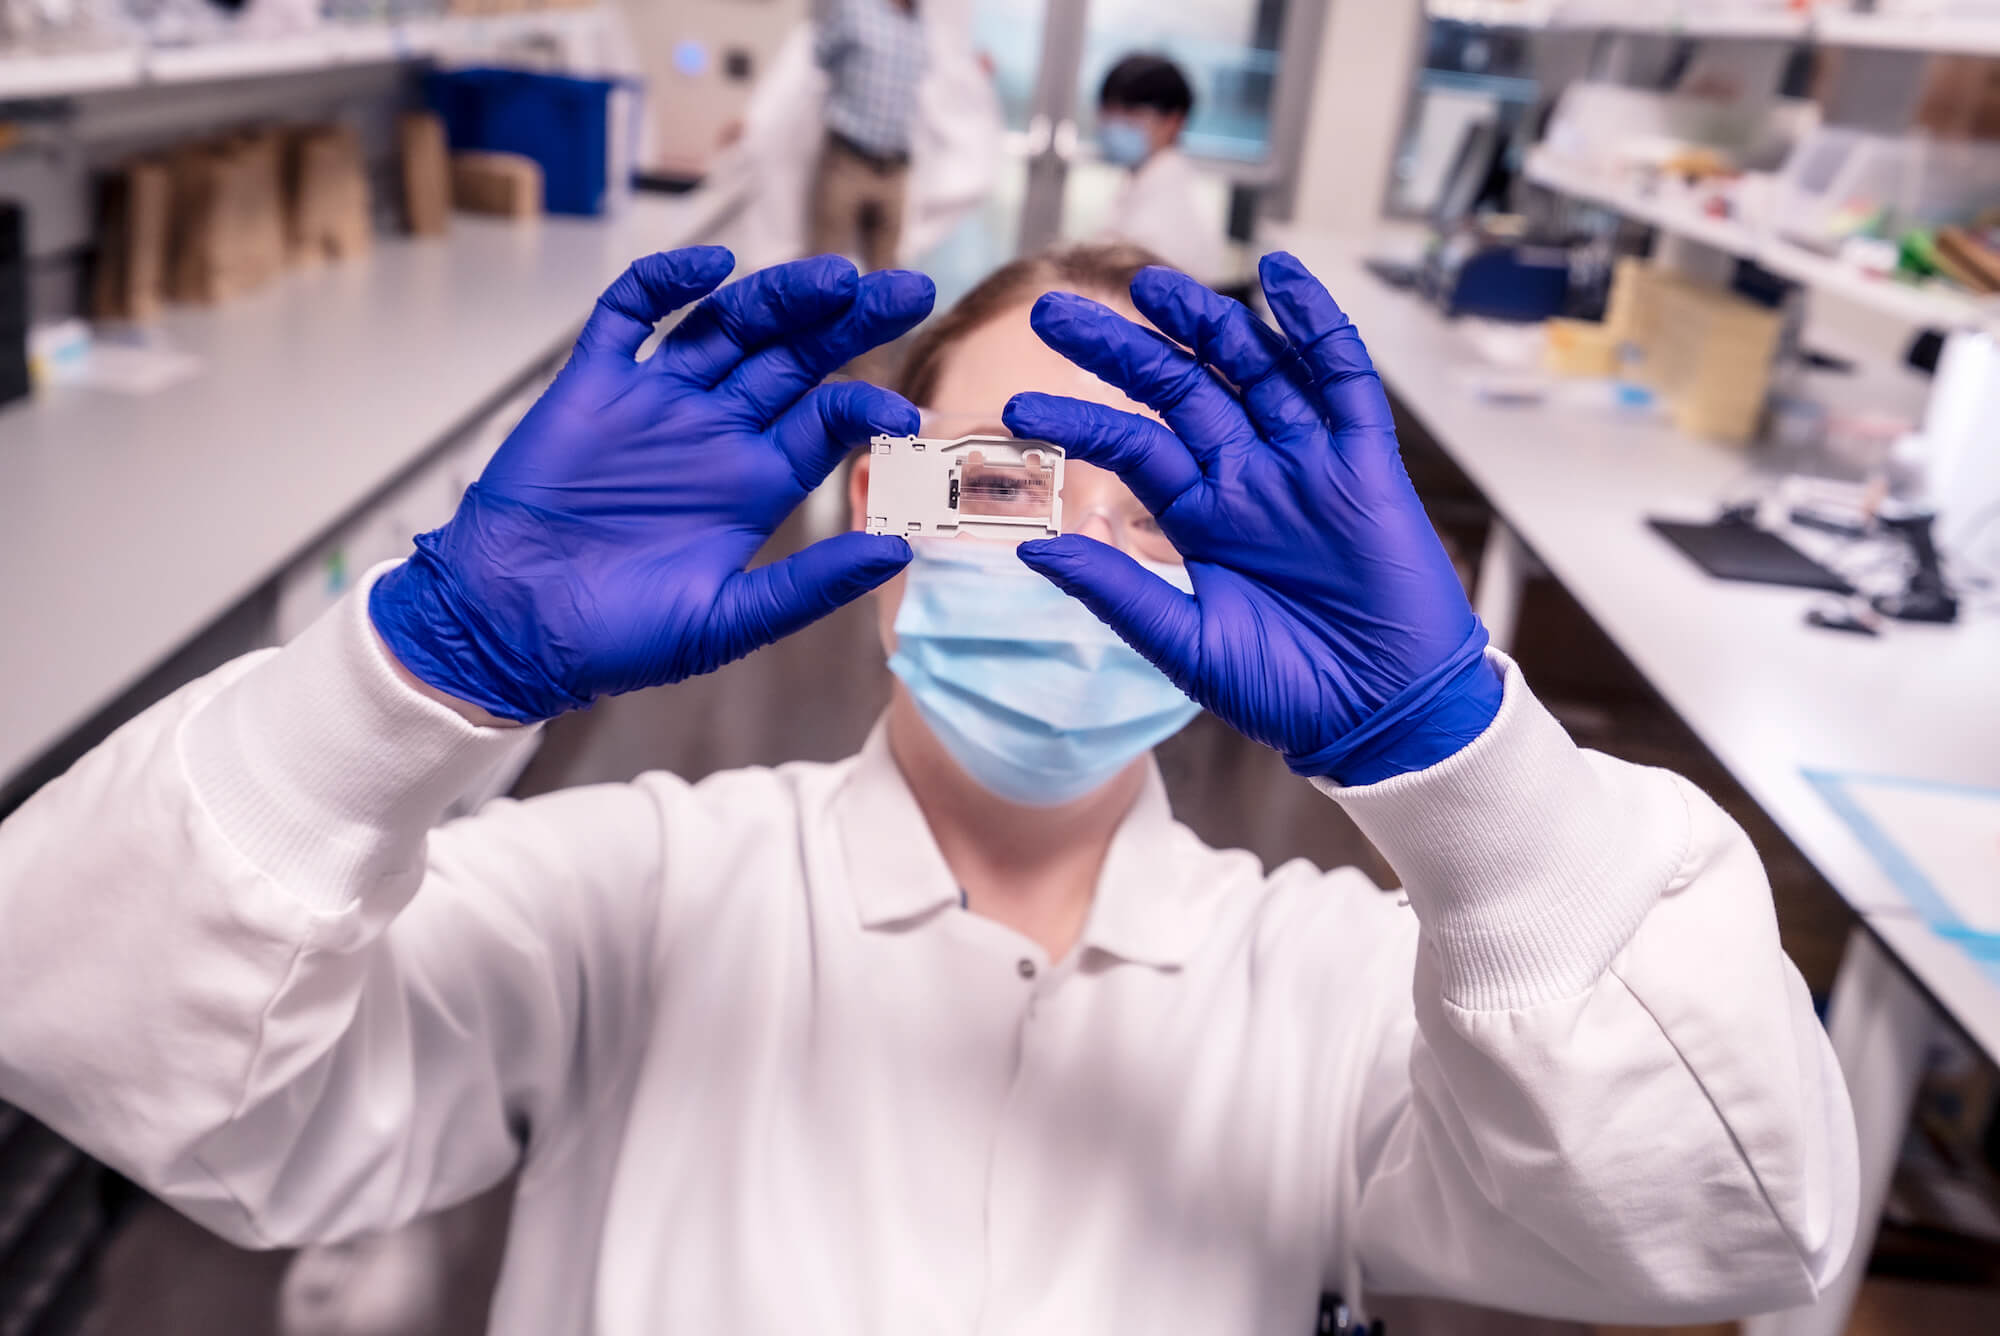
(1580, 348)
(1960, 97)
(503, 183)
(1707, 352)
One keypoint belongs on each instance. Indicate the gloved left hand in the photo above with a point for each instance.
(603, 549)
(1326, 620)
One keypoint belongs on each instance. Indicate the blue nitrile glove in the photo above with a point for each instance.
(603, 548)
(1326, 620)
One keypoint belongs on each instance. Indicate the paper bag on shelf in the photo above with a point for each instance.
(425, 161)
(327, 197)
(129, 282)
(227, 230)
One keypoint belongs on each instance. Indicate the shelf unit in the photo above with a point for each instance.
(408, 346)
(1903, 302)
(70, 72)
(1959, 36)
(1833, 27)
(1596, 14)
(40, 75)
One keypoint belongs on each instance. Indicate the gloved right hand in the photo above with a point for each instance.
(603, 548)
(1326, 620)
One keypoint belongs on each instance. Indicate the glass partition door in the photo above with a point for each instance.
(1049, 57)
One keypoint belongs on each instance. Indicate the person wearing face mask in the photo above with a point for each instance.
(965, 1032)
(1142, 107)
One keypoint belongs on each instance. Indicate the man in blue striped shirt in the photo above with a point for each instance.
(873, 51)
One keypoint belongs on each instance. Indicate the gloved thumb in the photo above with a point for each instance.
(757, 607)
(1150, 615)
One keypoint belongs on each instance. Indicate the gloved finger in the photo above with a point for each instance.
(1226, 335)
(1147, 367)
(1150, 615)
(887, 304)
(756, 607)
(652, 288)
(1150, 459)
(754, 313)
(1328, 344)
(823, 427)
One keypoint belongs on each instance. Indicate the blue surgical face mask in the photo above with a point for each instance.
(1123, 142)
(1031, 694)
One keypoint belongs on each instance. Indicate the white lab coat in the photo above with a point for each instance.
(1162, 206)
(762, 1072)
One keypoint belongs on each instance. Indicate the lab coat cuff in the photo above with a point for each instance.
(1530, 863)
(325, 769)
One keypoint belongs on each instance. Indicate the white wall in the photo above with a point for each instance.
(689, 112)
(1368, 53)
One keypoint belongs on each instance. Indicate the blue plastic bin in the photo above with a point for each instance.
(562, 122)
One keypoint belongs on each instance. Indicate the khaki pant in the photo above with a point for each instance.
(857, 199)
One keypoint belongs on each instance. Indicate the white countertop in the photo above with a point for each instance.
(1767, 694)
(130, 523)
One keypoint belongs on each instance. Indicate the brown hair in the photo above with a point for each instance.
(1100, 267)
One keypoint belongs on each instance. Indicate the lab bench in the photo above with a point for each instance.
(1782, 705)
(134, 525)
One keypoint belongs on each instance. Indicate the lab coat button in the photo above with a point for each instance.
(1026, 968)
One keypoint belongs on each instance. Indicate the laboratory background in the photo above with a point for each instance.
(1689, 311)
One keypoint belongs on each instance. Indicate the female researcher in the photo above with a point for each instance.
(906, 1044)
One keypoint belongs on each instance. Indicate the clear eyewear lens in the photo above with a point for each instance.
(1133, 532)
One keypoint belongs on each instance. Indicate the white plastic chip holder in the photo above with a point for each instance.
(992, 487)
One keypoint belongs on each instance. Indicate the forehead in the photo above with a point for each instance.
(1003, 357)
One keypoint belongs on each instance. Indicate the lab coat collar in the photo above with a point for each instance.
(893, 865)
(1168, 161)
(1142, 911)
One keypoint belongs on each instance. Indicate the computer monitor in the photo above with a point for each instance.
(1479, 149)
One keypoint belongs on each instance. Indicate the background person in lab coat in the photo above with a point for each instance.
(1142, 107)
(873, 53)
(762, 183)
(965, 1031)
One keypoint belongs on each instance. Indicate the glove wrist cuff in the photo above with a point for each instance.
(1432, 718)
(434, 633)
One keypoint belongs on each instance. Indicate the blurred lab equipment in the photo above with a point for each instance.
(1478, 266)
(13, 302)
(1926, 598)
(1954, 454)
(1500, 279)
(1735, 548)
